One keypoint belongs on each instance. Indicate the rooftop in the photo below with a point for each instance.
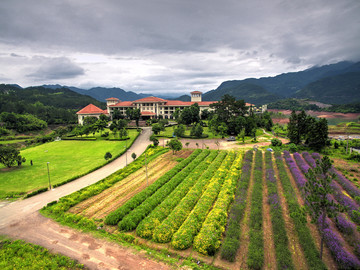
(91, 109)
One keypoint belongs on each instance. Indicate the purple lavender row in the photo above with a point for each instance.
(349, 228)
(352, 190)
(298, 176)
(304, 167)
(309, 159)
(333, 240)
(335, 243)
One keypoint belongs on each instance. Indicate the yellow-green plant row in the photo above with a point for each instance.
(171, 224)
(114, 217)
(209, 238)
(131, 220)
(68, 201)
(184, 237)
(147, 225)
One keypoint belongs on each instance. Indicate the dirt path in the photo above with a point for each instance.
(94, 253)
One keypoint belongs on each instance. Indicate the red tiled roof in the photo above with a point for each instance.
(150, 99)
(147, 113)
(112, 98)
(195, 92)
(178, 103)
(122, 104)
(249, 104)
(91, 109)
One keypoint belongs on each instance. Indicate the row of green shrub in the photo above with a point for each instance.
(21, 255)
(231, 242)
(303, 233)
(256, 246)
(209, 238)
(184, 237)
(114, 217)
(155, 218)
(281, 241)
(130, 221)
(65, 203)
(171, 224)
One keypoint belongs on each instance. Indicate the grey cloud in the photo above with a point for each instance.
(57, 68)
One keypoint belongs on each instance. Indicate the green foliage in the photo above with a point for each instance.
(156, 128)
(179, 131)
(175, 145)
(317, 189)
(22, 123)
(21, 255)
(292, 104)
(256, 246)
(276, 142)
(114, 217)
(108, 156)
(9, 156)
(197, 131)
(296, 214)
(293, 148)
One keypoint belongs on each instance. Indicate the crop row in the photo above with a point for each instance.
(131, 220)
(256, 246)
(65, 203)
(231, 242)
(347, 185)
(172, 223)
(114, 217)
(335, 243)
(352, 207)
(184, 237)
(209, 238)
(146, 227)
(306, 241)
(281, 241)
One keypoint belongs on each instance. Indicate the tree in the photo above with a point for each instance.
(89, 120)
(242, 135)
(222, 130)
(9, 155)
(293, 133)
(156, 128)
(318, 134)
(123, 133)
(133, 155)
(108, 156)
(187, 144)
(175, 145)
(179, 131)
(317, 191)
(197, 131)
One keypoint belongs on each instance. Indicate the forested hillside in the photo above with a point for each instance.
(53, 106)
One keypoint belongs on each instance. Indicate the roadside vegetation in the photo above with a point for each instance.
(17, 254)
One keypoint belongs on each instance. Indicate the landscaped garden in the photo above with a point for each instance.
(225, 208)
(67, 159)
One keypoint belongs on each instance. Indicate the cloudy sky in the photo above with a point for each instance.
(170, 46)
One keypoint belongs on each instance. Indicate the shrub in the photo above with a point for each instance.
(108, 155)
(276, 142)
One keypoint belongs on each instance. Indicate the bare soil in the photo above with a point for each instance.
(99, 206)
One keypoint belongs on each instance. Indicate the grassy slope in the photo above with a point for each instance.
(67, 159)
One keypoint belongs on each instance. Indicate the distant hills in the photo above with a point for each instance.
(102, 93)
(336, 84)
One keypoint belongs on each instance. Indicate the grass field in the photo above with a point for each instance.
(67, 159)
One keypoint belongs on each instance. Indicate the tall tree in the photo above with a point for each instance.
(317, 190)
(293, 132)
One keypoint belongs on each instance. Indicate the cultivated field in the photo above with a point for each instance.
(229, 209)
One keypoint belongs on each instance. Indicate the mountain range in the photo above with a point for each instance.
(335, 84)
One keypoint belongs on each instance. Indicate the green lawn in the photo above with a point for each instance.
(67, 159)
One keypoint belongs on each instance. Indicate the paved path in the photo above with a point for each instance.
(21, 220)
(19, 209)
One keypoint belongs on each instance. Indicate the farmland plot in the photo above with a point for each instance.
(241, 214)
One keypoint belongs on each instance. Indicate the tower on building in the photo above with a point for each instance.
(196, 96)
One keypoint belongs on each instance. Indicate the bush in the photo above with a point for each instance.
(108, 155)
(276, 142)
(292, 148)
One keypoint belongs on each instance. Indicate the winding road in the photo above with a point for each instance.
(21, 220)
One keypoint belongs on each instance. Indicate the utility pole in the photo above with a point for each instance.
(48, 174)
(147, 181)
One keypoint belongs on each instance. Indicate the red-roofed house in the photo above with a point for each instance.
(90, 111)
